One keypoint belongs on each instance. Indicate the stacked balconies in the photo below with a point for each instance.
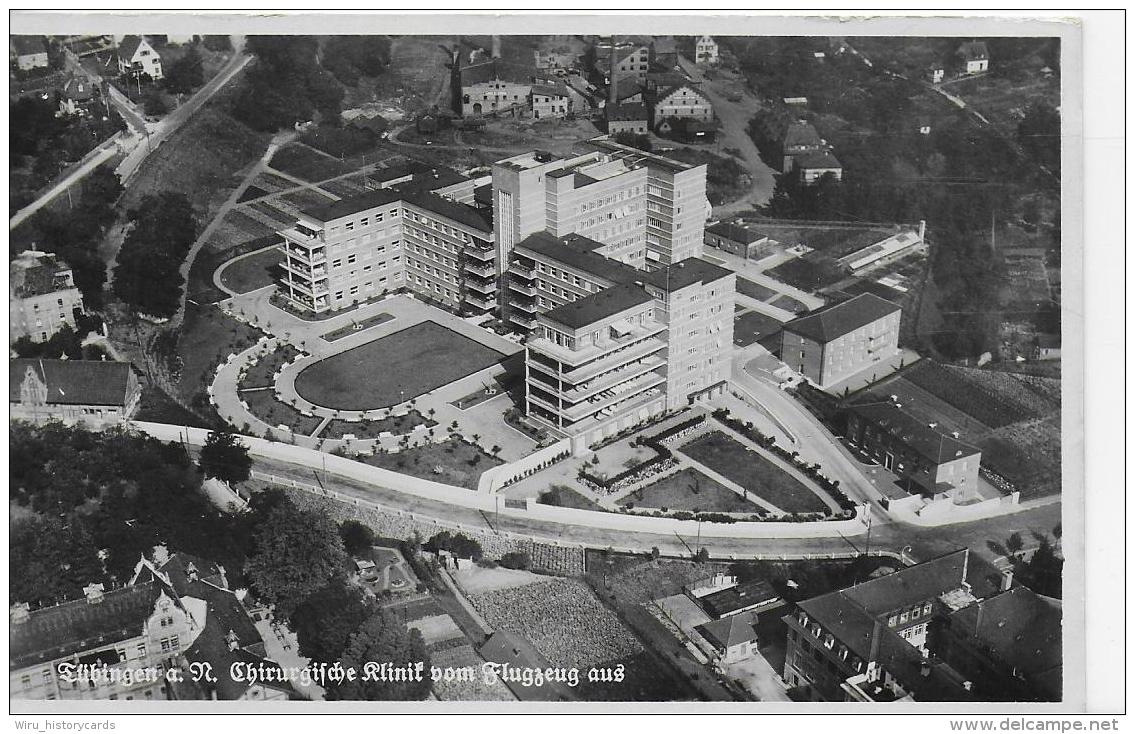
(521, 295)
(304, 279)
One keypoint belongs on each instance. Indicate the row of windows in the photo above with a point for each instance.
(368, 220)
(909, 614)
(368, 286)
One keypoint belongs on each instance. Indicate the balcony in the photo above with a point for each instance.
(313, 273)
(607, 401)
(480, 255)
(481, 286)
(607, 354)
(303, 235)
(477, 268)
(309, 256)
(629, 403)
(524, 272)
(527, 306)
(314, 291)
(611, 379)
(524, 321)
(527, 290)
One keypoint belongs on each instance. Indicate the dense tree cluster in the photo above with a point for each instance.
(383, 639)
(350, 57)
(67, 343)
(224, 457)
(75, 236)
(459, 545)
(286, 84)
(148, 275)
(185, 74)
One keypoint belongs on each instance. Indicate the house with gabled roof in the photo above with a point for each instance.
(680, 102)
(42, 297)
(136, 57)
(837, 341)
(491, 87)
(27, 52)
(87, 391)
(975, 56)
(705, 50)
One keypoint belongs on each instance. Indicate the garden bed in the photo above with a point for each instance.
(263, 373)
(267, 407)
(451, 462)
(362, 430)
(691, 490)
(561, 495)
(356, 326)
(303, 162)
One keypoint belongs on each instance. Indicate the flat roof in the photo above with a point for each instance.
(685, 273)
(738, 598)
(598, 306)
(579, 252)
(604, 143)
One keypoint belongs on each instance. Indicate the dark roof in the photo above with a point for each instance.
(685, 273)
(28, 45)
(455, 211)
(550, 90)
(36, 275)
(495, 69)
(1021, 630)
(352, 205)
(577, 251)
(816, 159)
(627, 88)
(599, 305)
(801, 133)
(393, 173)
(731, 631)
(933, 445)
(665, 45)
(974, 50)
(831, 322)
(1048, 341)
(627, 111)
(736, 233)
(129, 46)
(665, 79)
(635, 156)
(76, 626)
(78, 88)
(739, 597)
(483, 195)
(432, 179)
(72, 381)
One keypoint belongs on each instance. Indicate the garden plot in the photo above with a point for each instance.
(436, 629)
(690, 490)
(307, 163)
(562, 619)
(480, 579)
(996, 399)
(475, 688)
(305, 199)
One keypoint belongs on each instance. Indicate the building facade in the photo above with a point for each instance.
(841, 340)
(550, 101)
(416, 231)
(624, 118)
(739, 240)
(705, 50)
(930, 461)
(73, 391)
(136, 56)
(42, 297)
(27, 52)
(682, 102)
(492, 87)
(975, 56)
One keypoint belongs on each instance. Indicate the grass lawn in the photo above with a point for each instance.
(356, 326)
(305, 199)
(394, 368)
(788, 303)
(262, 373)
(264, 405)
(450, 462)
(303, 162)
(562, 495)
(754, 472)
(752, 326)
(253, 272)
(748, 288)
(676, 492)
(207, 336)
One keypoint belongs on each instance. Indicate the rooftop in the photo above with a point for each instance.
(579, 252)
(598, 306)
(839, 319)
(801, 133)
(653, 160)
(736, 232)
(627, 112)
(28, 45)
(495, 69)
(932, 444)
(731, 631)
(128, 46)
(685, 273)
(452, 210)
(35, 273)
(72, 381)
(550, 90)
(740, 597)
(974, 50)
(352, 205)
(816, 159)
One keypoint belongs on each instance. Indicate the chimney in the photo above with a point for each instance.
(496, 47)
(18, 613)
(921, 229)
(191, 571)
(1007, 579)
(93, 592)
(224, 578)
(613, 84)
(233, 640)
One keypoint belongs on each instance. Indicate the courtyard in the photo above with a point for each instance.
(394, 368)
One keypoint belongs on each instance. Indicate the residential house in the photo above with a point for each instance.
(683, 102)
(42, 297)
(83, 649)
(733, 638)
(551, 101)
(1047, 347)
(136, 57)
(811, 167)
(705, 50)
(936, 73)
(94, 393)
(740, 240)
(918, 634)
(632, 60)
(76, 94)
(800, 138)
(975, 56)
(27, 52)
(629, 91)
(631, 118)
(928, 461)
(492, 87)
(843, 339)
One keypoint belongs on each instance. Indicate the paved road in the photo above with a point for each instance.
(734, 133)
(161, 131)
(102, 154)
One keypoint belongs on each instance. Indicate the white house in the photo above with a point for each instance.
(137, 56)
(705, 51)
(975, 55)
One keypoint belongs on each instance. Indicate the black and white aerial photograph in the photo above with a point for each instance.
(491, 364)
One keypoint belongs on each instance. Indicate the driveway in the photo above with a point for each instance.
(735, 116)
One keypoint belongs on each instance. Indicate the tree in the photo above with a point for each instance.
(495, 450)
(148, 276)
(1044, 571)
(185, 74)
(1015, 544)
(154, 104)
(356, 536)
(456, 543)
(325, 621)
(384, 639)
(217, 43)
(655, 553)
(225, 457)
(294, 553)
(701, 556)
(516, 560)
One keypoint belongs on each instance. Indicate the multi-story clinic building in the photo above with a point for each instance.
(649, 209)
(42, 297)
(609, 345)
(416, 230)
(841, 340)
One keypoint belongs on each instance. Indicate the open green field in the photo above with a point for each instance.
(394, 368)
(307, 163)
(752, 326)
(689, 490)
(752, 471)
(254, 271)
(264, 405)
(451, 462)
